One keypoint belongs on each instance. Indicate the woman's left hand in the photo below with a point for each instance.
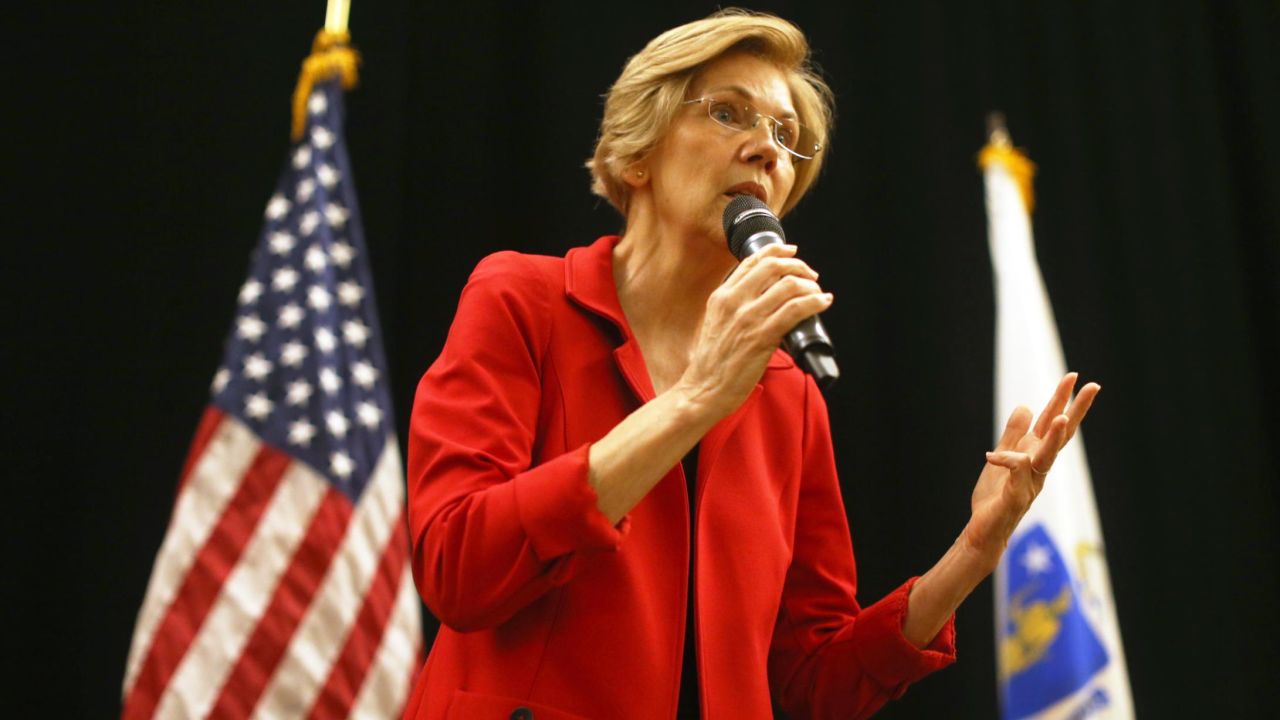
(1016, 469)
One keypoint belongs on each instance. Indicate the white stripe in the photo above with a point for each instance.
(214, 479)
(386, 686)
(324, 628)
(243, 597)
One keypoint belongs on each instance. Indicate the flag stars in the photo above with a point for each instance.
(298, 393)
(220, 380)
(318, 298)
(325, 340)
(317, 104)
(368, 414)
(1037, 559)
(309, 222)
(256, 367)
(250, 291)
(292, 353)
(257, 406)
(341, 253)
(281, 243)
(364, 374)
(321, 137)
(316, 260)
(327, 175)
(277, 207)
(341, 464)
(302, 157)
(305, 189)
(329, 381)
(301, 432)
(290, 315)
(355, 333)
(250, 327)
(284, 279)
(337, 216)
(349, 292)
(337, 423)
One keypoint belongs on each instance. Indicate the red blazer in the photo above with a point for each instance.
(548, 607)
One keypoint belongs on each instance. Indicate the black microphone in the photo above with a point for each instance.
(750, 226)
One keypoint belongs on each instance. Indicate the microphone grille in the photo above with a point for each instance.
(745, 216)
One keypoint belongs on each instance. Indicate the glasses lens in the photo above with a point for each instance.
(798, 139)
(738, 115)
(729, 114)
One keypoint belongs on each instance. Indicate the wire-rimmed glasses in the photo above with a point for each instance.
(789, 134)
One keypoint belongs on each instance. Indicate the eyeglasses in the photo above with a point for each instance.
(790, 135)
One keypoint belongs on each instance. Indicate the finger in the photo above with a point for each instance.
(791, 312)
(1014, 461)
(1055, 437)
(1054, 407)
(754, 259)
(1015, 428)
(769, 271)
(1080, 407)
(781, 291)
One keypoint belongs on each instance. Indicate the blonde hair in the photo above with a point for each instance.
(640, 106)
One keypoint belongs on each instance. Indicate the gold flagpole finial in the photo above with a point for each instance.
(1000, 150)
(331, 56)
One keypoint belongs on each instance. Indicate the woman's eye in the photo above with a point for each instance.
(786, 135)
(724, 112)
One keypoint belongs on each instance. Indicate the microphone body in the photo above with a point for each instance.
(750, 227)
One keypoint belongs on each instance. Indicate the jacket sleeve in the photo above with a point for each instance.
(831, 658)
(490, 532)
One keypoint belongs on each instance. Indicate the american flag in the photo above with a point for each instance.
(282, 587)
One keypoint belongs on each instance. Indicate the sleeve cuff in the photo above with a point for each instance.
(887, 655)
(559, 512)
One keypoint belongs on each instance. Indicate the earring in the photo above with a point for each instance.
(639, 173)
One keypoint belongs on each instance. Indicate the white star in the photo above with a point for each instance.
(220, 380)
(284, 279)
(293, 353)
(364, 374)
(290, 315)
(250, 291)
(310, 220)
(318, 298)
(341, 465)
(277, 207)
(1037, 559)
(330, 381)
(349, 292)
(316, 260)
(250, 327)
(325, 340)
(316, 104)
(301, 432)
(298, 393)
(258, 406)
(321, 138)
(336, 215)
(341, 253)
(337, 424)
(327, 175)
(281, 243)
(302, 157)
(256, 367)
(355, 333)
(369, 414)
(306, 187)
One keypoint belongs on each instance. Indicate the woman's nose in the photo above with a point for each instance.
(761, 144)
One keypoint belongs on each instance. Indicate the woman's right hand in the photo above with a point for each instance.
(766, 296)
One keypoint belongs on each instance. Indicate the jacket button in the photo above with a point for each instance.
(522, 713)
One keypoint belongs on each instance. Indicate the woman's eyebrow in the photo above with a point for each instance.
(750, 97)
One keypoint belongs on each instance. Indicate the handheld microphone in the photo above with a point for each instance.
(750, 226)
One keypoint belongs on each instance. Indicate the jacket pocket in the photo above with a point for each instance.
(481, 706)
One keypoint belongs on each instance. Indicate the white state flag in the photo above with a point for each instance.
(1058, 647)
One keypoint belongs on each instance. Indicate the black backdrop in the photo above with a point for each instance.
(149, 136)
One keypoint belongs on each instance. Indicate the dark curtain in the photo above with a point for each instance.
(149, 136)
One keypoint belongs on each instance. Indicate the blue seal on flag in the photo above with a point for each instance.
(1048, 650)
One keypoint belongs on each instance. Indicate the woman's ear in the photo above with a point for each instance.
(637, 175)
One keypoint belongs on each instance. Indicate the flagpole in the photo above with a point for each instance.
(335, 16)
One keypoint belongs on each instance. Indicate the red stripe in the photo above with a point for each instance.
(204, 432)
(200, 587)
(346, 676)
(244, 685)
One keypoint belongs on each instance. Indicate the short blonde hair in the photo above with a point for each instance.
(640, 106)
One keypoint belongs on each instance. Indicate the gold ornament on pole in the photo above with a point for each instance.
(331, 56)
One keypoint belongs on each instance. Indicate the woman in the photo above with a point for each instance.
(578, 567)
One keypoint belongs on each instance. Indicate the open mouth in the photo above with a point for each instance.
(755, 190)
